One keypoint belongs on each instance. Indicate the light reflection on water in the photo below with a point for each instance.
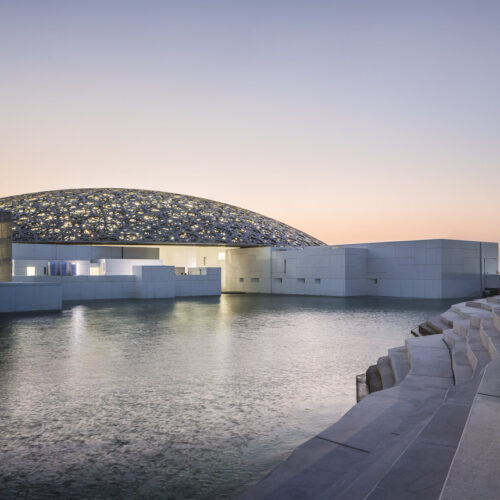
(190, 398)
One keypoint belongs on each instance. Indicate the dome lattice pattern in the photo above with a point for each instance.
(132, 216)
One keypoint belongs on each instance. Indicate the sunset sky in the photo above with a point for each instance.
(351, 120)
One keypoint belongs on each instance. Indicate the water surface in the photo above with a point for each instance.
(193, 398)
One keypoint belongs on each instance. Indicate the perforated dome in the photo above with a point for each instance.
(133, 216)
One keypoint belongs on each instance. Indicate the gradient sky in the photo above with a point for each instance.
(351, 120)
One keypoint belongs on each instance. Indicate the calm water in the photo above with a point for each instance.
(180, 399)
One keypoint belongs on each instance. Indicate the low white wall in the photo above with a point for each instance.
(147, 282)
(154, 282)
(24, 297)
(88, 287)
(189, 256)
(199, 284)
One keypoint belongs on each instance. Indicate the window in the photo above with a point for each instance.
(317, 280)
(255, 280)
(242, 280)
(31, 271)
(301, 280)
(278, 280)
(95, 270)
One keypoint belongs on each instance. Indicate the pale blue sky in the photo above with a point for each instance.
(354, 120)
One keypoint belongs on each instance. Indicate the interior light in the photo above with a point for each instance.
(95, 270)
(31, 271)
(222, 255)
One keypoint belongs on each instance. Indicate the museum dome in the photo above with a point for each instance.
(135, 216)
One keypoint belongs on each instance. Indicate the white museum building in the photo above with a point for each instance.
(93, 244)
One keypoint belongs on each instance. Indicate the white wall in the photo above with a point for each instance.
(113, 267)
(298, 271)
(420, 269)
(23, 297)
(427, 268)
(195, 256)
(319, 271)
(404, 268)
(46, 252)
(249, 270)
(463, 262)
(147, 282)
(208, 283)
(154, 282)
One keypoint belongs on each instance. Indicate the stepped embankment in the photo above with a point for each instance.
(430, 431)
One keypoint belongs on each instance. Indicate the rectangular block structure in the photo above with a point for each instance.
(431, 269)
(5, 246)
(29, 297)
(38, 293)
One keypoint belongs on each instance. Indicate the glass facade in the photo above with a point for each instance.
(5, 246)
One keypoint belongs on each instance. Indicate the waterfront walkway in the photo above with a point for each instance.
(432, 432)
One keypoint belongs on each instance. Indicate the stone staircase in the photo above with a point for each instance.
(434, 427)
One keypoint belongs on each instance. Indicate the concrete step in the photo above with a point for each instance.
(490, 338)
(486, 304)
(385, 370)
(480, 304)
(373, 380)
(449, 317)
(460, 327)
(415, 332)
(472, 314)
(359, 481)
(364, 481)
(473, 334)
(425, 329)
(495, 314)
(400, 442)
(429, 356)
(494, 300)
(422, 468)
(372, 433)
(437, 324)
(451, 338)
(477, 316)
(398, 357)
(462, 369)
(478, 356)
(462, 310)
(492, 345)
(474, 470)
(436, 341)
